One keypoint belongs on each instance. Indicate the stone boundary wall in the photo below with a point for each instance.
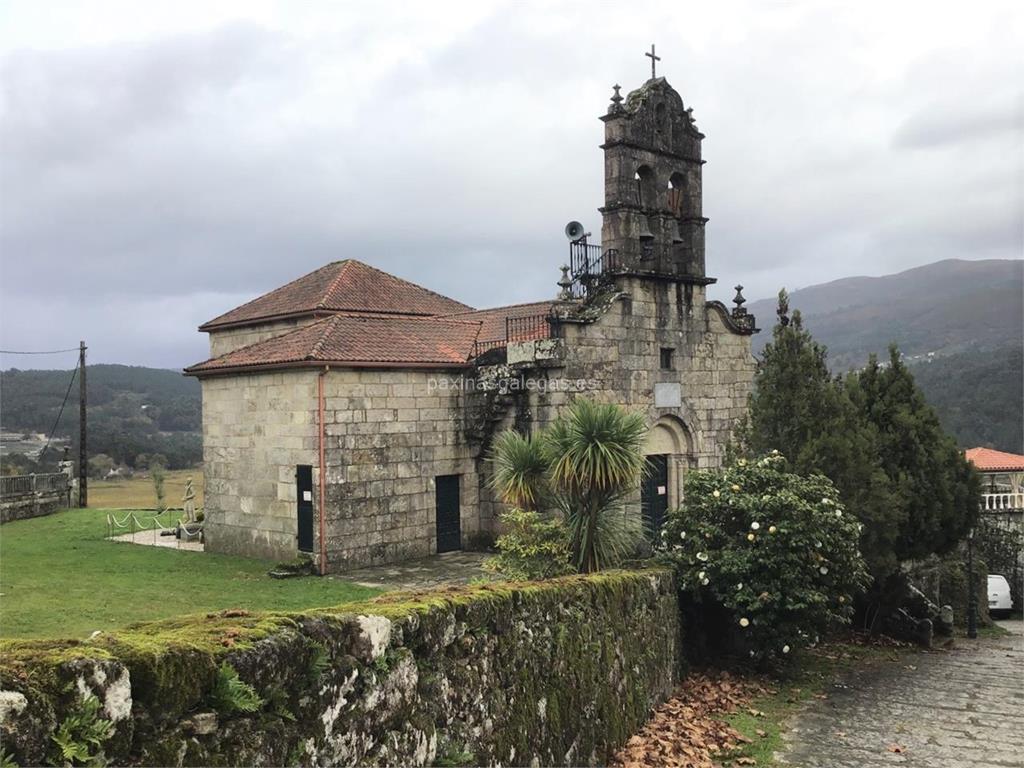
(26, 496)
(550, 673)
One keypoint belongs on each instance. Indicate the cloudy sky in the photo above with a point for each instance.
(164, 162)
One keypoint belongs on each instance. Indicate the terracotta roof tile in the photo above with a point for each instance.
(350, 339)
(989, 460)
(342, 286)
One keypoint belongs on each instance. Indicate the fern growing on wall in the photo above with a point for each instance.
(81, 734)
(232, 694)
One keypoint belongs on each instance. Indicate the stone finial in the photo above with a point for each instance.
(740, 316)
(565, 284)
(616, 105)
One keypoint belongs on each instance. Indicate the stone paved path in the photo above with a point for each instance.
(451, 568)
(945, 709)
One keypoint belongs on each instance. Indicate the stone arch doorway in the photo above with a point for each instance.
(669, 453)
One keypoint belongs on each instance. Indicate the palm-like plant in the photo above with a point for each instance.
(595, 454)
(585, 464)
(519, 470)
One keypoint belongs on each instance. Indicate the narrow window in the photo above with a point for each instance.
(666, 358)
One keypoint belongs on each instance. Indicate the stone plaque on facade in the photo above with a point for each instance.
(668, 395)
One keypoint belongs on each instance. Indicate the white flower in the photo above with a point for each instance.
(823, 570)
(839, 513)
(739, 586)
(744, 622)
(826, 501)
(705, 582)
(682, 534)
(817, 545)
(716, 494)
(775, 453)
(702, 556)
(742, 462)
(735, 488)
(700, 575)
(755, 525)
(772, 529)
(664, 533)
(751, 537)
(785, 649)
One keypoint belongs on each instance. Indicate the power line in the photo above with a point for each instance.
(60, 412)
(48, 352)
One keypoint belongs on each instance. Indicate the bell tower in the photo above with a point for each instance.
(653, 221)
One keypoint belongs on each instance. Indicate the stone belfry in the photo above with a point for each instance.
(652, 215)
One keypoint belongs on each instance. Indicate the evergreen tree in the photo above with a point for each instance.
(873, 434)
(816, 422)
(934, 487)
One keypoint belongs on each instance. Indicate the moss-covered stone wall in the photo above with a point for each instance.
(553, 673)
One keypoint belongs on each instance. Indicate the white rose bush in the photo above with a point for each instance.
(770, 550)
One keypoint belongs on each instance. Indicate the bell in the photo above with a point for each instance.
(677, 234)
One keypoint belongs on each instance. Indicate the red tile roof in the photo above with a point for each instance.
(493, 320)
(341, 286)
(989, 460)
(354, 340)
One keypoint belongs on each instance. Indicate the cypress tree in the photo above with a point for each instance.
(816, 421)
(934, 487)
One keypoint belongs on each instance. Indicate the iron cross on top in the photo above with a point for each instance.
(654, 60)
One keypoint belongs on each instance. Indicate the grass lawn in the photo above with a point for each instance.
(138, 493)
(59, 577)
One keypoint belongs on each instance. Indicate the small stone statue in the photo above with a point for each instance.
(189, 502)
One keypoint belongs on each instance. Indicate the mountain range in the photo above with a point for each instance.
(959, 324)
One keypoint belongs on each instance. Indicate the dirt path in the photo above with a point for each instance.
(946, 709)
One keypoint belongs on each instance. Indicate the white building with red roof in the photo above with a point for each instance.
(1002, 479)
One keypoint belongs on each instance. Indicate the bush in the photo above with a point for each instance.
(774, 552)
(157, 472)
(585, 464)
(532, 547)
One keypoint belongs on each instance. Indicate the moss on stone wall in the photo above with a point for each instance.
(559, 672)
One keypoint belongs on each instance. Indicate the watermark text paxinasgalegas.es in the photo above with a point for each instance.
(508, 384)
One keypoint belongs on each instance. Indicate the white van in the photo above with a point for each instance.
(1000, 604)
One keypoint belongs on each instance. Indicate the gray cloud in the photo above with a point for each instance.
(935, 127)
(158, 180)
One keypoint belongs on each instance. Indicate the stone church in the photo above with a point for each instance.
(349, 413)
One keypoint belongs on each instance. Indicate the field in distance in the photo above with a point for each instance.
(138, 492)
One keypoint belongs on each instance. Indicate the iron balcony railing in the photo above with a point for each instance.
(589, 266)
(524, 328)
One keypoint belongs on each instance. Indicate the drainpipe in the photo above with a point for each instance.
(323, 467)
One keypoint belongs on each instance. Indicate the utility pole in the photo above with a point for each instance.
(83, 456)
(972, 590)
